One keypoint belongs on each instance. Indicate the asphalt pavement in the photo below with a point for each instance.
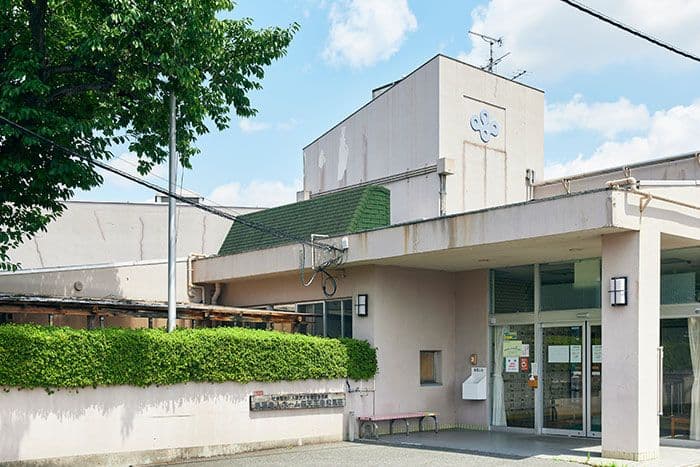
(353, 454)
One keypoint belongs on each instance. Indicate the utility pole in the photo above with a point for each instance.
(492, 41)
(172, 231)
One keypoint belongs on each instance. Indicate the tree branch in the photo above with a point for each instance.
(37, 25)
(72, 90)
(61, 69)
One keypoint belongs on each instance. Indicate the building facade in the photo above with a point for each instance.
(579, 297)
(113, 251)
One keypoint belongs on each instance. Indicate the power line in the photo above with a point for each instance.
(158, 189)
(581, 7)
(181, 186)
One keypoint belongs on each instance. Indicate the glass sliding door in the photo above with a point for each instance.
(563, 388)
(513, 400)
(680, 339)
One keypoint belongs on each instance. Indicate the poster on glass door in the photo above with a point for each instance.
(512, 364)
(558, 354)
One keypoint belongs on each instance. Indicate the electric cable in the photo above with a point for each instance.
(182, 187)
(158, 189)
(635, 32)
(329, 284)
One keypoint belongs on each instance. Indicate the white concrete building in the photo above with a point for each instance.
(481, 265)
(116, 251)
(97, 232)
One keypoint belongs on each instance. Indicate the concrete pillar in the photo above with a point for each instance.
(630, 425)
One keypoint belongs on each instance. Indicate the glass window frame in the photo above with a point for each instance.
(538, 284)
(666, 256)
(324, 314)
(492, 292)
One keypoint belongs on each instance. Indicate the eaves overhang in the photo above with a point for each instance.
(591, 211)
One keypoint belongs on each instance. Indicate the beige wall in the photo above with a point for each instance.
(471, 337)
(409, 310)
(630, 386)
(413, 310)
(124, 425)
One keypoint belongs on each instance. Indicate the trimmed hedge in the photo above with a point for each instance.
(57, 357)
(362, 359)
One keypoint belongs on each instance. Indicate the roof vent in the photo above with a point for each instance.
(193, 199)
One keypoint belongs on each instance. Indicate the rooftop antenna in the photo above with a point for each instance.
(492, 41)
(518, 74)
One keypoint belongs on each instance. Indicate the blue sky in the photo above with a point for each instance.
(610, 98)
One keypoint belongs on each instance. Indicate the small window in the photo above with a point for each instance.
(430, 365)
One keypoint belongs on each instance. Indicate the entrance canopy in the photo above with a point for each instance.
(558, 228)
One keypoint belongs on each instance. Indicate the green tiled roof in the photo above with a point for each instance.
(334, 214)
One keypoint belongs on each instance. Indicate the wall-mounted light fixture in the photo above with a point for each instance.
(362, 304)
(618, 291)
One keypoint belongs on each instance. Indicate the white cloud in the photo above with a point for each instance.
(364, 32)
(551, 39)
(251, 126)
(606, 118)
(670, 132)
(287, 125)
(260, 193)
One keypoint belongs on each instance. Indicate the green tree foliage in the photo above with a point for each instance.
(51, 357)
(89, 74)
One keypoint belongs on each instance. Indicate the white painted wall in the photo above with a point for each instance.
(675, 168)
(136, 281)
(97, 232)
(161, 423)
(492, 173)
(394, 133)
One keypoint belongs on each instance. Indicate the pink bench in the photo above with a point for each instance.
(391, 418)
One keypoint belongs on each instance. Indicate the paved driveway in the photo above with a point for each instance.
(347, 454)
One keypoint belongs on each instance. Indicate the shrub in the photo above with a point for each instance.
(362, 359)
(52, 357)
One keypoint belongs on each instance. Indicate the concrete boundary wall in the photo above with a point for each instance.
(124, 425)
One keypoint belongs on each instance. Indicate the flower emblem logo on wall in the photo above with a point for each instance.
(486, 127)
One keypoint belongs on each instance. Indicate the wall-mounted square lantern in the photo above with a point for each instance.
(362, 304)
(618, 291)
